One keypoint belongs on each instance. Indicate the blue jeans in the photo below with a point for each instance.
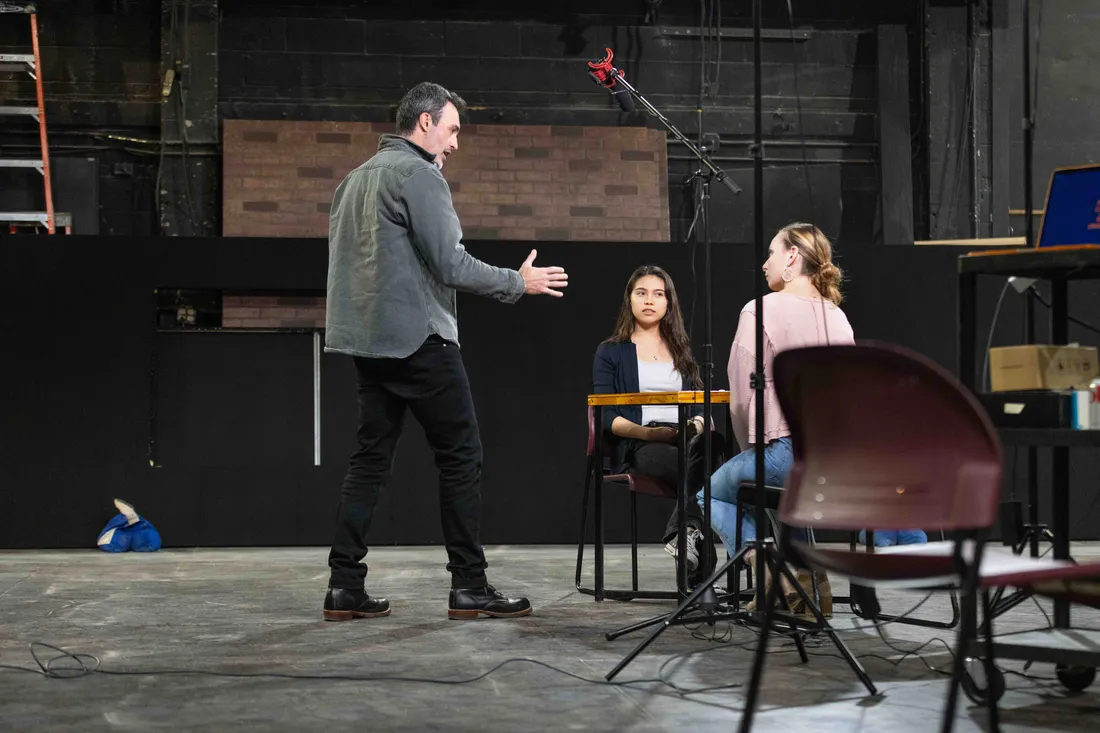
(726, 482)
(891, 537)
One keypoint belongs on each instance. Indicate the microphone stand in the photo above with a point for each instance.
(1034, 530)
(767, 555)
(718, 174)
(708, 605)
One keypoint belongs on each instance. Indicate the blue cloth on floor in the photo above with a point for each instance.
(141, 536)
(891, 537)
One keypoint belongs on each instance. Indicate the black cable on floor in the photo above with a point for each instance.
(85, 665)
(79, 664)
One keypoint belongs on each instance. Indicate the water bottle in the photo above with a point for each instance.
(1094, 404)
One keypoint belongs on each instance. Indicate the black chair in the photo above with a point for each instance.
(595, 478)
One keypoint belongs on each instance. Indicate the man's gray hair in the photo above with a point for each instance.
(425, 97)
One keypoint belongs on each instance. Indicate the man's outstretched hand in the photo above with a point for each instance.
(542, 280)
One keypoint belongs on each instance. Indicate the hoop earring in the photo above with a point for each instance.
(787, 275)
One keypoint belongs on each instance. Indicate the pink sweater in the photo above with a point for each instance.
(790, 321)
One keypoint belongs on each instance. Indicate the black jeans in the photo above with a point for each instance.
(660, 461)
(432, 383)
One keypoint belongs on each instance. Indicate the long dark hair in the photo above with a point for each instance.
(671, 326)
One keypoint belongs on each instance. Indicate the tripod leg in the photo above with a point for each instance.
(997, 596)
(796, 634)
(813, 573)
(613, 635)
(761, 651)
(1004, 605)
(828, 629)
(663, 622)
(1025, 540)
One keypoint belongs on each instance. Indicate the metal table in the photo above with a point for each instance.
(1059, 266)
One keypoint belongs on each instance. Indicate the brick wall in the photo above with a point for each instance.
(271, 311)
(510, 182)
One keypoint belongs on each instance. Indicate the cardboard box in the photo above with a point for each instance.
(1013, 368)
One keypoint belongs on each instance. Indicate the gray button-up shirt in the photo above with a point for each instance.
(396, 257)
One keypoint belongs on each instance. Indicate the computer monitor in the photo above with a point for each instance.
(1072, 216)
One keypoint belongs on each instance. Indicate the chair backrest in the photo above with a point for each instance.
(608, 460)
(884, 438)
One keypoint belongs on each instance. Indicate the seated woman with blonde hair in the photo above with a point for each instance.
(803, 310)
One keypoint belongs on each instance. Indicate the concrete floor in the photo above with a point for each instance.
(258, 610)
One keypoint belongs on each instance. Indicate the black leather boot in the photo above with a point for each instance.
(469, 603)
(344, 605)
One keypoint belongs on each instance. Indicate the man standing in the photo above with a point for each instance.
(395, 263)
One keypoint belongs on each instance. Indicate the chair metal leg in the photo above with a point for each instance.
(598, 590)
(733, 579)
(736, 569)
(597, 485)
(991, 696)
(954, 610)
(908, 620)
(966, 633)
(634, 539)
(738, 538)
(584, 522)
(773, 522)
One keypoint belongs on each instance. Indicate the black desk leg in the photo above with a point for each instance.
(1059, 331)
(1033, 499)
(681, 500)
(1060, 522)
(967, 315)
(597, 501)
(1059, 311)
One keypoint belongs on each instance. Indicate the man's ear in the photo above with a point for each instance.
(425, 124)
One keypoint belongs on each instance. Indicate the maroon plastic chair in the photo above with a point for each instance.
(885, 438)
(594, 481)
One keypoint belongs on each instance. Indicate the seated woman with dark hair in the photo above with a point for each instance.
(649, 351)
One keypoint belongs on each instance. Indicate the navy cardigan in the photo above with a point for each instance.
(615, 371)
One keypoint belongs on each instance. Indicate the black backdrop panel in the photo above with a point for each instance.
(234, 411)
(233, 399)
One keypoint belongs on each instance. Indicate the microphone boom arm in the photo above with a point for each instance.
(604, 72)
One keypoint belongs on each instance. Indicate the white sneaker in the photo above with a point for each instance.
(693, 538)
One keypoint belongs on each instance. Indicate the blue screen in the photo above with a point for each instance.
(1073, 209)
